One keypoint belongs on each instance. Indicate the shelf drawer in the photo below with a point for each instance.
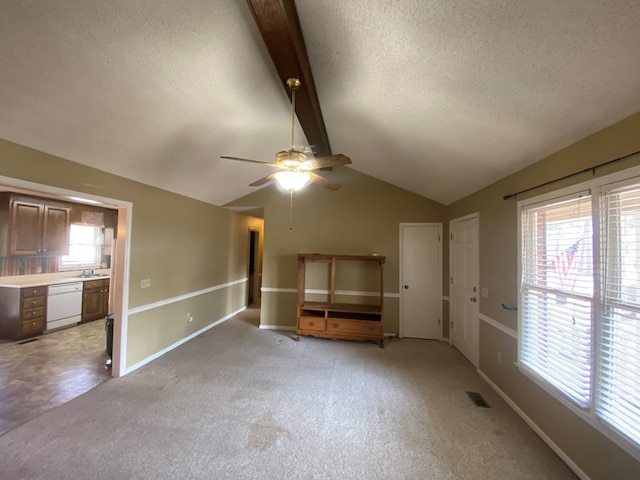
(317, 324)
(32, 313)
(360, 327)
(31, 302)
(33, 326)
(104, 282)
(33, 292)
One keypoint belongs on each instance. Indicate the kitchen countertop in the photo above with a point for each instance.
(45, 279)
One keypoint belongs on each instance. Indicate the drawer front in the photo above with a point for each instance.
(360, 327)
(32, 302)
(32, 313)
(33, 292)
(33, 326)
(96, 283)
(317, 324)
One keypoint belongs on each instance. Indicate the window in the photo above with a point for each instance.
(579, 330)
(618, 380)
(84, 247)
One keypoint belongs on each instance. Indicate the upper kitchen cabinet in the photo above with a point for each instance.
(33, 226)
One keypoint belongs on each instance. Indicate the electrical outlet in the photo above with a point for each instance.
(38, 269)
(189, 317)
(485, 292)
(146, 283)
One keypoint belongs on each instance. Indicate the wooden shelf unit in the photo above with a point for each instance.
(331, 319)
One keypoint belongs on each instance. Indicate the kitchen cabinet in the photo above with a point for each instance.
(22, 312)
(95, 299)
(34, 226)
(339, 319)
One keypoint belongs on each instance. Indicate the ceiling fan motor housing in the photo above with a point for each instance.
(292, 159)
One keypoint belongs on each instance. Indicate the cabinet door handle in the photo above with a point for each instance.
(35, 301)
(33, 324)
(311, 324)
(336, 325)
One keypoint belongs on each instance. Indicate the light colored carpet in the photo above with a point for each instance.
(243, 403)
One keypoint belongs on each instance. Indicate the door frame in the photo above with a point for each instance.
(471, 216)
(119, 285)
(400, 277)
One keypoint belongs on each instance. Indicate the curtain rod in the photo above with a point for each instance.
(590, 169)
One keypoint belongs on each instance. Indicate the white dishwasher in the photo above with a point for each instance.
(64, 305)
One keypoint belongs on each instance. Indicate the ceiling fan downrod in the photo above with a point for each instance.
(293, 84)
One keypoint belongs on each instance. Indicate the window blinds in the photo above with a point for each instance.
(557, 295)
(618, 369)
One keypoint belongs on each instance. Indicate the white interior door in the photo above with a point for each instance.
(464, 294)
(420, 280)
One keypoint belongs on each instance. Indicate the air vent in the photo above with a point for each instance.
(478, 400)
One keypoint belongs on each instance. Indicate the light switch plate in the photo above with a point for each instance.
(146, 283)
(484, 292)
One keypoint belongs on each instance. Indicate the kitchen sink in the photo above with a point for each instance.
(91, 275)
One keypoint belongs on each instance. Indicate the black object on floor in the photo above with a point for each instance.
(108, 326)
(478, 400)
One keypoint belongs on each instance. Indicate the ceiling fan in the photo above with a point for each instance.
(296, 166)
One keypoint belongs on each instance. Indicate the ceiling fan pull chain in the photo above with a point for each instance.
(291, 210)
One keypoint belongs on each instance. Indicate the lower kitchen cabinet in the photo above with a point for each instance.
(23, 312)
(95, 299)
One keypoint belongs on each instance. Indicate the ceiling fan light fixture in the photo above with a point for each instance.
(292, 181)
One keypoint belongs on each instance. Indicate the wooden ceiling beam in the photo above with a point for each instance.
(280, 28)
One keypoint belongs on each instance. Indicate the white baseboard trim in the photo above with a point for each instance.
(293, 329)
(563, 456)
(179, 342)
(277, 327)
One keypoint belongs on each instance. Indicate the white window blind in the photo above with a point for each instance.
(618, 369)
(84, 247)
(556, 326)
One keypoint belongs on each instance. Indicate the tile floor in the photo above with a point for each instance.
(36, 376)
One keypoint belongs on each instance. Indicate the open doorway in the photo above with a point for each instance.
(69, 360)
(253, 289)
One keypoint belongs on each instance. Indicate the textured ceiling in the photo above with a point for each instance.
(438, 97)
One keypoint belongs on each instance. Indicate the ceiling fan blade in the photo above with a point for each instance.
(251, 161)
(323, 181)
(325, 162)
(263, 180)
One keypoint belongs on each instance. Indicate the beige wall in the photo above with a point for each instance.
(591, 451)
(182, 245)
(361, 218)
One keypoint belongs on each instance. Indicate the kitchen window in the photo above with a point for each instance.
(85, 247)
(579, 315)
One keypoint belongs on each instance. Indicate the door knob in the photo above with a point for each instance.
(473, 299)
(406, 287)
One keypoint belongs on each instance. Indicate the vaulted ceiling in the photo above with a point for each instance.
(438, 97)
